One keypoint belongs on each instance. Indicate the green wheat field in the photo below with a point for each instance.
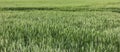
(59, 25)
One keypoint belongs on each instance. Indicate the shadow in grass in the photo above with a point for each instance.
(24, 8)
(113, 3)
(117, 10)
(73, 9)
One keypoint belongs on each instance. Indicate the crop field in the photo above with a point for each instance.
(59, 25)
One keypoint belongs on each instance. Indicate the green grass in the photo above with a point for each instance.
(59, 3)
(59, 26)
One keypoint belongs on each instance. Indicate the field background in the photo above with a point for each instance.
(59, 3)
(59, 25)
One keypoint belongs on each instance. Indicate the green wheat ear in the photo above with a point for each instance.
(59, 26)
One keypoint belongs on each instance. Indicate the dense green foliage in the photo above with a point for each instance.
(59, 26)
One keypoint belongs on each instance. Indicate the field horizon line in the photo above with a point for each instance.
(111, 9)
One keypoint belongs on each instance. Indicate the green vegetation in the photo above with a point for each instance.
(59, 26)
